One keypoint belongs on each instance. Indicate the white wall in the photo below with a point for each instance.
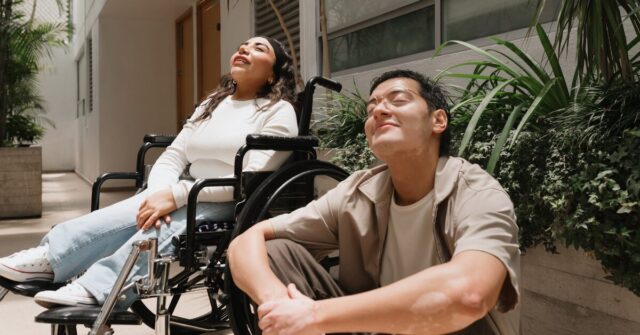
(137, 92)
(133, 84)
(89, 125)
(59, 103)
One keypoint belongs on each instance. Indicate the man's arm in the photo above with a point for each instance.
(249, 263)
(440, 299)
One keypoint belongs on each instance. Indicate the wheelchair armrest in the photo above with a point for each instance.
(269, 142)
(159, 139)
(192, 202)
(280, 143)
(97, 185)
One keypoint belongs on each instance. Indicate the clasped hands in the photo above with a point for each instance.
(155, 209)
(292, 315)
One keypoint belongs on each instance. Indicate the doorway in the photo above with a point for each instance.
(197, 76)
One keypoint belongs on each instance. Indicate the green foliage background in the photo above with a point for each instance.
(566, 151)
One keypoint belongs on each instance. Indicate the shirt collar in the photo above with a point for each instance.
(378, 188)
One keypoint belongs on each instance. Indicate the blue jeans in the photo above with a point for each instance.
(101, 241)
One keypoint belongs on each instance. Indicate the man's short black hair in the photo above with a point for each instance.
(431, 92)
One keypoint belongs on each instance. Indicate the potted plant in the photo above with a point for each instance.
(23, 43)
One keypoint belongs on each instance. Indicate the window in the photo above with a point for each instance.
(469, 19)
(403, 35)
(341, 13)
(267, 23)
(363, 32)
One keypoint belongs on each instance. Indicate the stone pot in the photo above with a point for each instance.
(20, 182)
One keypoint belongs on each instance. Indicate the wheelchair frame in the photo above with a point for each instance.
(158, 283)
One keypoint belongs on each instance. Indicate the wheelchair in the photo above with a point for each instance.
(201, 251)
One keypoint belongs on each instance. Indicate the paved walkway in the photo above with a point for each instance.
(64, 196)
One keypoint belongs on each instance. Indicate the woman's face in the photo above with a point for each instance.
(253, 62)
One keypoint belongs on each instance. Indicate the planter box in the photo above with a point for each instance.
(20, 182)
(567, 294)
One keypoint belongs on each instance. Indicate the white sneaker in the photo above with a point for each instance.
(27, 265)
(70, 295)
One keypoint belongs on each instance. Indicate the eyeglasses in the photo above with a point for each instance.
(394, 97)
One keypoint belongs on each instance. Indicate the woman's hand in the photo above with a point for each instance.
(154, 210)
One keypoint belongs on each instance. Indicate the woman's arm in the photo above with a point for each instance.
(280, 120)
(169, 166)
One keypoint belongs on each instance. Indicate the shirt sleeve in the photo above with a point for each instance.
(167, 169)
(280, 120)
(315, 226)
(487, 223)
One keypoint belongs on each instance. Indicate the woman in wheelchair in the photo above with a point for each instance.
(256, 97)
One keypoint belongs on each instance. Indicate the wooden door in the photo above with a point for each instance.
(208, 47)
(184, 67)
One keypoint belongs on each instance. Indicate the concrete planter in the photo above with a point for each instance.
(20, 182)
(567, 294)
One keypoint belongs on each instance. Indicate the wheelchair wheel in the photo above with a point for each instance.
(287, 189)
(201, 296)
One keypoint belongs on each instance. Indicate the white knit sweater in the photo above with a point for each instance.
(210, 147)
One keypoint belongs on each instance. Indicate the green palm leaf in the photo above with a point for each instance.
(533, 108)
(504, 135)
(478, 112)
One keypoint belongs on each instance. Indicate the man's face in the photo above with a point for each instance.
(399, 120)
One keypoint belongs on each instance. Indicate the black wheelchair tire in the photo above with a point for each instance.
(242, 321)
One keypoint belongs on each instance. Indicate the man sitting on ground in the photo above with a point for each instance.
(427, 242)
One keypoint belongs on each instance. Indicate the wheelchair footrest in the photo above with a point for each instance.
(85, 316)
(30, 288)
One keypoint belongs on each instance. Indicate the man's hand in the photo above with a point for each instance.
(293, 316)
(154, 210)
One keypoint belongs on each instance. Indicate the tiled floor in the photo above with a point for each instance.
(64, 196)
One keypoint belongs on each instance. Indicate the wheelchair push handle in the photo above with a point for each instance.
(325, 82)
(310, 87)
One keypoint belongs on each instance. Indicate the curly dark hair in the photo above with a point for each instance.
(283, 87)
(430, 91)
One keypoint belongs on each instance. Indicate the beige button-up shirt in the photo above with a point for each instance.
(353, 219)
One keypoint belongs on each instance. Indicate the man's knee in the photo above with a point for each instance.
(283, 249)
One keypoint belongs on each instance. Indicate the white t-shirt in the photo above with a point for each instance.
(210, 147)
(410, 228)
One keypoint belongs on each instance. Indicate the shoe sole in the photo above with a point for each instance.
(49, 305)
(48, 301)
(24, 276)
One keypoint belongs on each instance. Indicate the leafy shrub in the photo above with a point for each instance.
(342, 126)
(576, 179)
(23, 129)
(509, 84)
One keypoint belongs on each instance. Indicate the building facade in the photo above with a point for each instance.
(140, 66)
